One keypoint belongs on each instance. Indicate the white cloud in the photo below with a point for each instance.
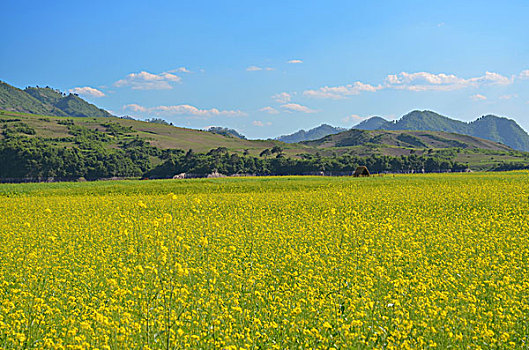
(524, 74)
(269, 110)
(420, 81)
(294, 107)
(179, 70)
(260, 123)
(148, 81)
(184, 110)
(256, 69)
(424, 81)
(87, 91)
(352, 118)
(282, 97)
(135, 108)
(478, 97)
(340, 92)
(295, 61)
(491, 78)
(508, 97)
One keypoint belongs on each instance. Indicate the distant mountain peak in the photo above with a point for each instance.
(372, 123)
(312, 134)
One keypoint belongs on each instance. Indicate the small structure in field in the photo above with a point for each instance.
(215, 174)
(361, 171)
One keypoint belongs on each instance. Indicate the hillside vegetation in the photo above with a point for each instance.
(37, 147)
(38, 100)
(312, 134)
(406, 139)
(489, 127)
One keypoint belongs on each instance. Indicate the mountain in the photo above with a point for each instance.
(47, 101)
(226, 132)
(406, 139)
(372, 123)
(312, 134)
(490, 127)
(503, 130)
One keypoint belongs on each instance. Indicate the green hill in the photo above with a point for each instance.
(14, 99)
(406, 139)
(312, 134)
(47, 101)
(503, 130)
(489, 127)
(372, 123)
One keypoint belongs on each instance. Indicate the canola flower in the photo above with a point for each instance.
(423, 261)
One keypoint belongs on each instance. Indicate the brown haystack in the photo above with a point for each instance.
(361, 171)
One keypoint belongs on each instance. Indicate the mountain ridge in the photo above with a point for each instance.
(489, 127)
(406, 139)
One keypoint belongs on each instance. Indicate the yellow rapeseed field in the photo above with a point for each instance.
(419, 261)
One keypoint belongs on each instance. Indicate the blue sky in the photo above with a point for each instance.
(268, 68)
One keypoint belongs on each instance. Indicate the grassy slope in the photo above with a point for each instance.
(162, 136)
(69, 105)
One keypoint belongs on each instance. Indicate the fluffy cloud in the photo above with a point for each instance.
(135, 108)
(256, 69)
(260, 123)
(524, 74)
(269, 110)
(340, 92)
(148, 81)
(478, 97)
(423, 81)
(295, 61)
(294, 107)
(87, 91)
(282, 97)
(352, 118)
(420, 81)
(179, 70)
(184, 110)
